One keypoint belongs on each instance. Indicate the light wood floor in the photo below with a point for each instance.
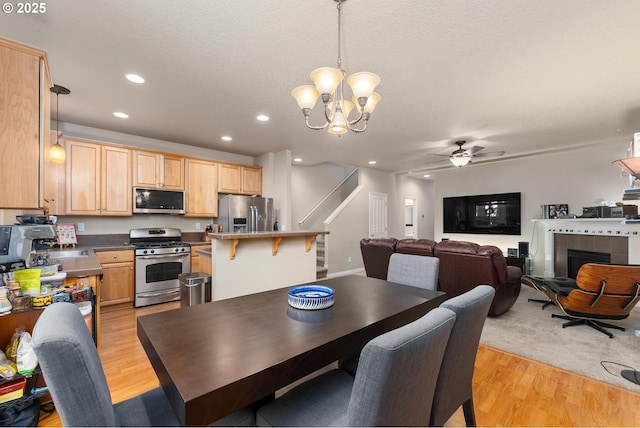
(508, 390)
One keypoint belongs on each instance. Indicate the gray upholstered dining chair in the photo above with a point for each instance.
(417, 271)
(73, 372)
(394, 384)
(454, 387)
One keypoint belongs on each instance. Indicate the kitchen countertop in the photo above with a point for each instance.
(267, 234)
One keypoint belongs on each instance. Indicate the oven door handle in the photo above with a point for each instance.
(164, 293)
(163, 256)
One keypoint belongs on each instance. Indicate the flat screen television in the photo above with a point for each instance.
(496, 214)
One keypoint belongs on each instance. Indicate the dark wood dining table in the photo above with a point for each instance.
(215, 358)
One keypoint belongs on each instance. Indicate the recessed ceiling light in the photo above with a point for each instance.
(134, 78)
(226, 138)
(427, 175)
(372, 162)
(121, 115)
(297, 159)
(262, 117)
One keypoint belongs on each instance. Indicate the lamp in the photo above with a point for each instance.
(56, 152)
(329, 85)
(630, 165)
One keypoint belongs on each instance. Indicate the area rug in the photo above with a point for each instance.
(529, 331)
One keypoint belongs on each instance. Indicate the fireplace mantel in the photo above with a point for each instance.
(612, 227)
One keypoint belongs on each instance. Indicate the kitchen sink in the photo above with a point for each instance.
(64, 254)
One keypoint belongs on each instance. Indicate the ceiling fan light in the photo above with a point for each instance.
(306, 96)
(460, 160)
(362, 84)
(326, 79)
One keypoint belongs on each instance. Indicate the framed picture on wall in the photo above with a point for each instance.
(555, 211)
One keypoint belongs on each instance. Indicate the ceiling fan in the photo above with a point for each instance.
(461, 156)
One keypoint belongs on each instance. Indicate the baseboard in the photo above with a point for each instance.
(345, 273)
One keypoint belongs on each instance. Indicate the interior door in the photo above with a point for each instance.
(377, 215)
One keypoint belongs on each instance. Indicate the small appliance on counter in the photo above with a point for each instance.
(19, 242)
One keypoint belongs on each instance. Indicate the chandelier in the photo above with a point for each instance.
(329, 86)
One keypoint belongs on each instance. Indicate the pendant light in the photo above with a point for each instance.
(57, 152)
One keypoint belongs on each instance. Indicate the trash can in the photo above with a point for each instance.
(195, 288)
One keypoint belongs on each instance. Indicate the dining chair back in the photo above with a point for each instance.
(414, 270)
(393, 386)
(74, 374)
(454, 387)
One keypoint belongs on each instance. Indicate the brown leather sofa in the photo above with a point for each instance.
(463, 265)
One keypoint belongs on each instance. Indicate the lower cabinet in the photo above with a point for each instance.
(117, 276)
(195, 257)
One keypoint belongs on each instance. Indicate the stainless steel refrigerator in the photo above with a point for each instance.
(238, 213)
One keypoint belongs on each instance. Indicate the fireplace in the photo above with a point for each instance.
(620, 239)
(576, 258)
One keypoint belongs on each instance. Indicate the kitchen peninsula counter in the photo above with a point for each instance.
(246, 263)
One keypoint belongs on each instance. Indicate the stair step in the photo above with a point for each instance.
(321, 272)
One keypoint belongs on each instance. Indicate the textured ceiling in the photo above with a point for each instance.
(519, 76)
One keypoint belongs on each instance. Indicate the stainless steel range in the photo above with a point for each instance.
(160, 258)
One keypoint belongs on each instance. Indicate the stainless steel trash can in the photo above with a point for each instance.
(195, 288)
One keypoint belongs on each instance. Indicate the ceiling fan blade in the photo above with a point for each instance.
(474, 149)
(489, 154)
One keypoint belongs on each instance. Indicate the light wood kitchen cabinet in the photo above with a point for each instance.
(195, 257)
(201, 185)
(239, 179)
(117, 276)
(98, 179)
(158, 170)
(25, 119)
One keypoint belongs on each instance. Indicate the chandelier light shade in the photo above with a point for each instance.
(329, 86)
(56, 152)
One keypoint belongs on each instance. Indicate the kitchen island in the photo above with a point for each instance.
(246, 263)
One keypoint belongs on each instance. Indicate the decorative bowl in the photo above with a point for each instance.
(311, 297)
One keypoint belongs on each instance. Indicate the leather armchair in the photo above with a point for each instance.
(376, 254)
(464, 265)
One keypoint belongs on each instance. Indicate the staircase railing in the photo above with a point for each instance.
(319, 204)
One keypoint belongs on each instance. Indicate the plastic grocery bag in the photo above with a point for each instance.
(26, 359)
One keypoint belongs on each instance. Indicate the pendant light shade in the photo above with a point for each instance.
(56, 152)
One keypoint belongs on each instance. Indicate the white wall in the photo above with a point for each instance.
(579, 178)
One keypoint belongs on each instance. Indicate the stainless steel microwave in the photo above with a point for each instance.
(158, 201)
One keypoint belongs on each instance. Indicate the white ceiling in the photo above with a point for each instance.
(518, 76)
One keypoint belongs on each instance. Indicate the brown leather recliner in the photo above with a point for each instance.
(375, 255)
(420, 247)
(464, 265)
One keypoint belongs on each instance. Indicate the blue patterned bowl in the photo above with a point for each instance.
(311, 297)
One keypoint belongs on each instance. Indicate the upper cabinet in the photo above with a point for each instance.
(24, 119)
(98, 179)
(158, 170)
(201, 188)
(239, 179)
